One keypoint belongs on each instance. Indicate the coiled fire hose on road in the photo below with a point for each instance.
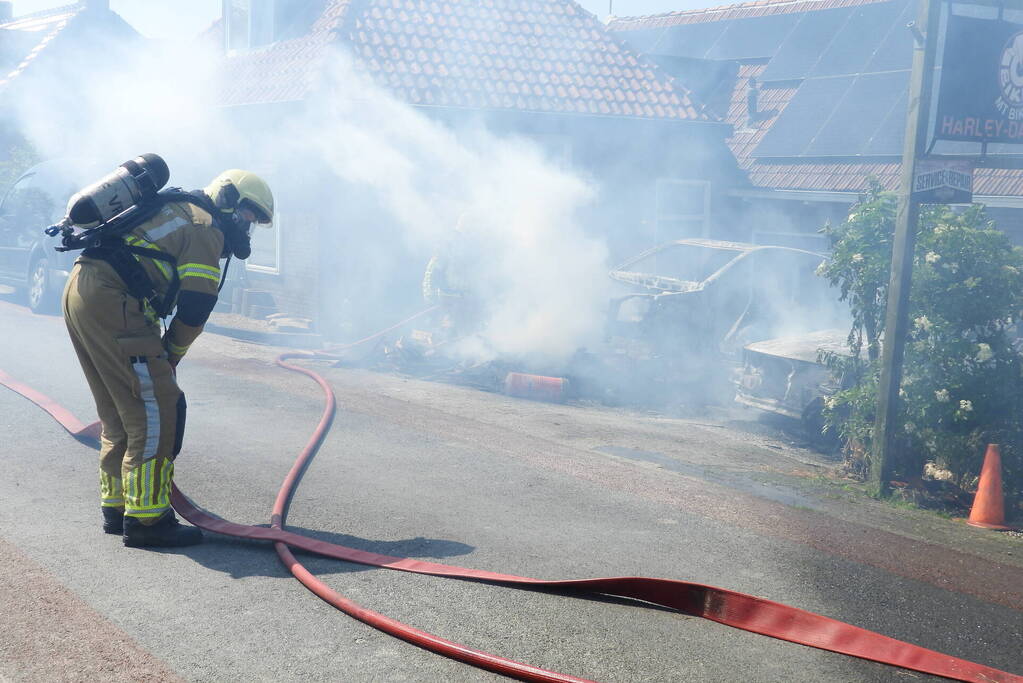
(724, 606)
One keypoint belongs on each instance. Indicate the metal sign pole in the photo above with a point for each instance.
(885, 443)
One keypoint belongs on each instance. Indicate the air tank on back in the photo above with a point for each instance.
(133, 182)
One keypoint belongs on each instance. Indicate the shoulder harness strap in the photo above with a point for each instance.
(108, 245)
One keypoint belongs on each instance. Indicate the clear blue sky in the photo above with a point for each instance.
(171, 19)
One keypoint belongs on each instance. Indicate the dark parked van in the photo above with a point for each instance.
(28, 261)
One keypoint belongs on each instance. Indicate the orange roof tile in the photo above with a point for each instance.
(742, 10)
(519, 46)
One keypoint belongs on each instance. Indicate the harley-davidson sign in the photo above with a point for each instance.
(981, 95)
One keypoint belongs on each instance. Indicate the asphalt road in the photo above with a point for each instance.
(442, 472)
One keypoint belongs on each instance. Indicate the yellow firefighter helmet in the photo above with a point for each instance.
(236, 189)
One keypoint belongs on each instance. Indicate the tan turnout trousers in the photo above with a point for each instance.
(137, 397)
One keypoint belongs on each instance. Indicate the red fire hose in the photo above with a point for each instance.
(717, 604)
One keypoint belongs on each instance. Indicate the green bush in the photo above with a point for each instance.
(961, 385)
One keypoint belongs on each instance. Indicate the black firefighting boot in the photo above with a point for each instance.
(167, 533)
(113, 520)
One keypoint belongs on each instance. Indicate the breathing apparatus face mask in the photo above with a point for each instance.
(236, 237)
(234, 227)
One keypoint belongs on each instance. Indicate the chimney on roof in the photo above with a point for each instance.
(6, 12)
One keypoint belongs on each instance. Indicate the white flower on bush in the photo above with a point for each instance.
(923, 323)
(830, 402)
(857, 258)
(984, 353)
(910, 427)
(932, 257)
(932, 470)
(966, 406)
(942, 396)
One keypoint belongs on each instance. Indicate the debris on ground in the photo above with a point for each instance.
(275, 329)
(280, 322)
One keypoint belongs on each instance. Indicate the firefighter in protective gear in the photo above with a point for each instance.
(448, 281)
(130, 365)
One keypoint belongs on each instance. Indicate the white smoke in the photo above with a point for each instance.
(541, 278)
(143, 97)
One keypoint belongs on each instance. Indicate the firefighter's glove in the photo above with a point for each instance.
(172, 357)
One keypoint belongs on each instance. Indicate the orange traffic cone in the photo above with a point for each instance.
(988, 509)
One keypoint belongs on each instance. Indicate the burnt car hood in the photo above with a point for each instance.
(804, 347)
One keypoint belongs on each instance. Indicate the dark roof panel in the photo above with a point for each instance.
(804, 45)
(896, 51)
(752, 38)
(689, 41)
(859, 115)
(794, 121)
(887, 139)
(807, 113)
(857, 40)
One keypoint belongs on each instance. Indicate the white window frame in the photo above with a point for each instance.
(262, 11)
(257, 11)
(229, 28)
(276, 232)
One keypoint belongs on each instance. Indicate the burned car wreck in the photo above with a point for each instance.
(677, 331)
(785, 376)
(686, 310)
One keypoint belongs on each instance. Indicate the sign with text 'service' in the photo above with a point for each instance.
(981, 94)
(943, 182)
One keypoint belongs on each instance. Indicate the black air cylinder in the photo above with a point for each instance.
(132, 182)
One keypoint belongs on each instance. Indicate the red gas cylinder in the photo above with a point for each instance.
(536, 387)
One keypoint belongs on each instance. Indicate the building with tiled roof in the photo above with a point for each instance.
(40, 40)
(24, 40)
(546, 70)
(816, 92)
(742, 10)
(46, 55)
(538, 55)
